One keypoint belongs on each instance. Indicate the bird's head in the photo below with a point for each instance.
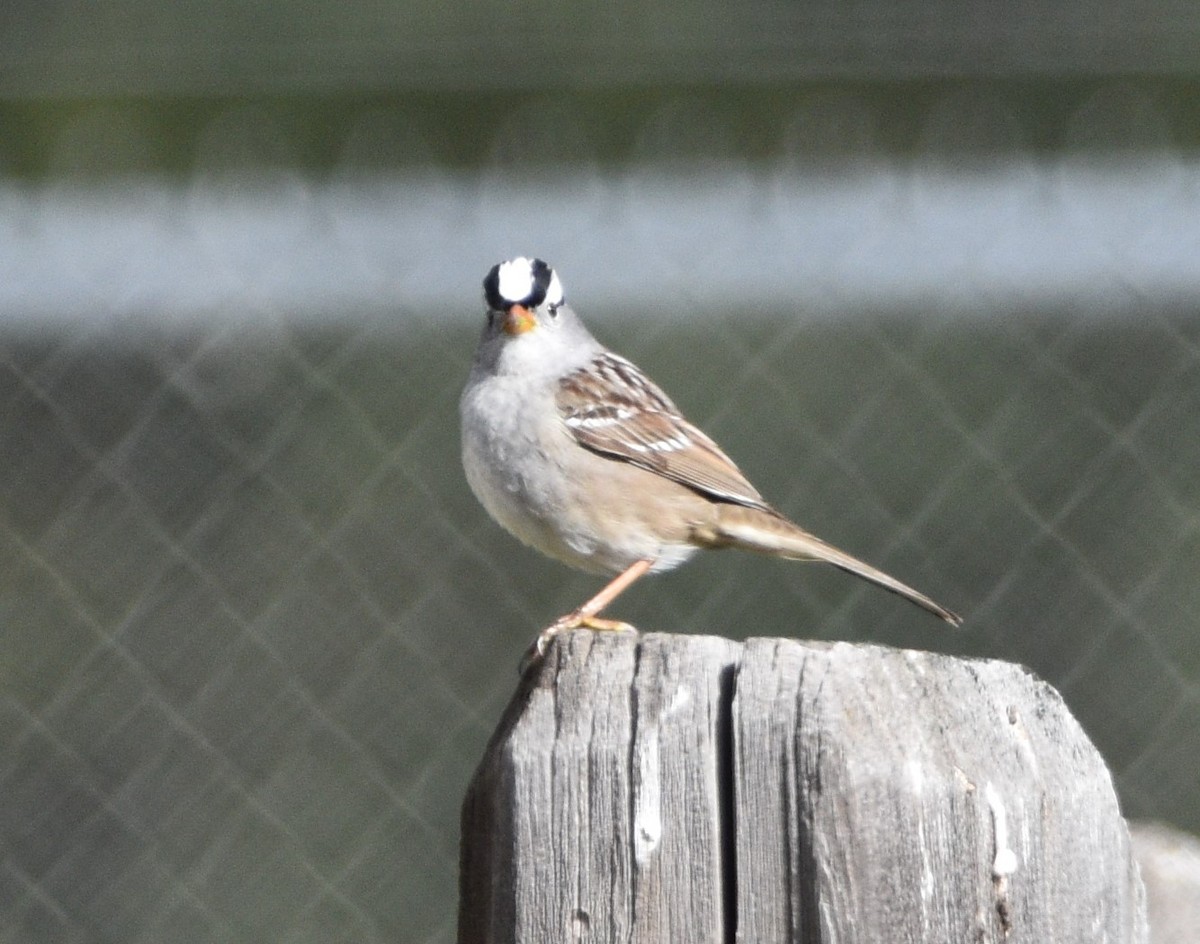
(522, 295)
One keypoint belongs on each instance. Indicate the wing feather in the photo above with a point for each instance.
(613, 409)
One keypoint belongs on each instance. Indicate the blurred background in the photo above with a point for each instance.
(929, 271)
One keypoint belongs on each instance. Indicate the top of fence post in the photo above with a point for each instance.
(683, 788)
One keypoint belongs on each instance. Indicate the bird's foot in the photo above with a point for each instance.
(575, 620)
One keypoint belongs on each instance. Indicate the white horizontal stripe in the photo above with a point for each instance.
(656, 245)
(588, 421)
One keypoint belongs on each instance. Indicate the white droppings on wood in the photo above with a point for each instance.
(647, 800)
(1005, 861)
(679, 701)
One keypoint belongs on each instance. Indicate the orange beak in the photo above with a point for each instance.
(518, 320)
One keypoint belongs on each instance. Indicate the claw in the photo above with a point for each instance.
(537, 650)
(585, 617)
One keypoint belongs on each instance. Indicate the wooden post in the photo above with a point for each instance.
(690, 789)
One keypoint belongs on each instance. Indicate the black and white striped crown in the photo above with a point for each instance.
(521, 281)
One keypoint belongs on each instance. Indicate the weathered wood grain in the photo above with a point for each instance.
(670, 788)
(886, 795)
(596, 813)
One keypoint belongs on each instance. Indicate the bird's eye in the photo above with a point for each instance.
(553, 309)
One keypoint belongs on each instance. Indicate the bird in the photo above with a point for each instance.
(572, 449)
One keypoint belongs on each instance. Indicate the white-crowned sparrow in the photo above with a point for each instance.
(577, 453)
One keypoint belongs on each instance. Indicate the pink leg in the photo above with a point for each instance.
(586, 615)
(615, 587)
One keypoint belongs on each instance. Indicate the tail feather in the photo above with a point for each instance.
(754, 530)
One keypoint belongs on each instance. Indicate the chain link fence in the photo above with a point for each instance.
(256, 631)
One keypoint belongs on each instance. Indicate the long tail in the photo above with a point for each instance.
(753, 530)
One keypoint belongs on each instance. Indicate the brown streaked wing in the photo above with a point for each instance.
(613, 409)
